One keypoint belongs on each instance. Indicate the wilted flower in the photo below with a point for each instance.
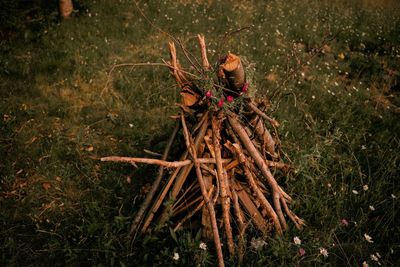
(323, 252)
(344, 222)
(302, 252)
(365, 187)
(297, 240)
(203, 246)
(368, 238)
(258, 243)
(176, 256)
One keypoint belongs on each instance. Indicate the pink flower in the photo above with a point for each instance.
(245, 87)
(301, 252)
(220, 102)
(208, 94)
(229, 99)
(344, 222)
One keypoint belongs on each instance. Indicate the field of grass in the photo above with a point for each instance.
(330, 68)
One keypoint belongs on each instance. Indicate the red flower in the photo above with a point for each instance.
(245, 87)
(220, 102)
(229, 99)
(208, 94)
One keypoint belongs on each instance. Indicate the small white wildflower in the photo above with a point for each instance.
(363, 147)
(374, 258)
(297, 240)
(393, 196)
(372, 208)
(355, 192)
(365, 264)
(131, 125)
(257, 243)
(368, 238)
(323, 252)
(313, 97)
(203, 246)
(176, 256)
(365, 187)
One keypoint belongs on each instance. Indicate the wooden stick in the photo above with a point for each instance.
(162, 163)
(296, 220)
(260, 196)
(154, 188)
(179, 77)
(224, 185)
(261, 164)
(179, 175)
(186, 206)
(180, 180)
(203, 50)
(192, 150)
(241, 225)
(193, 185)
(262, 114)
(251, 209)
(265, 136)
(193, 212)
(160, 198)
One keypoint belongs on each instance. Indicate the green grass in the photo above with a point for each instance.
(339, 113)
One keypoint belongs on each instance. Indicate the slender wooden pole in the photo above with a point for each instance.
(192, 150)
(224, 185)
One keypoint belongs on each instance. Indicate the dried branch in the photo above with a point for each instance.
(192, 150)
(224, 185)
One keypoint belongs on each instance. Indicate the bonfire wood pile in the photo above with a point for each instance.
(224, 179)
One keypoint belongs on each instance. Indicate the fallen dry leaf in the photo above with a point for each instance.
(46, 185)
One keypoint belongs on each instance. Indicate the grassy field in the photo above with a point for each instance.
(330, 68)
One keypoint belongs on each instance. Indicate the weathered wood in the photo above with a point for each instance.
(251, 209)
(192, 150)
(233, 72)
(224, 184)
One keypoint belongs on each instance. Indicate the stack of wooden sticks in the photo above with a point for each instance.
(224, 179)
